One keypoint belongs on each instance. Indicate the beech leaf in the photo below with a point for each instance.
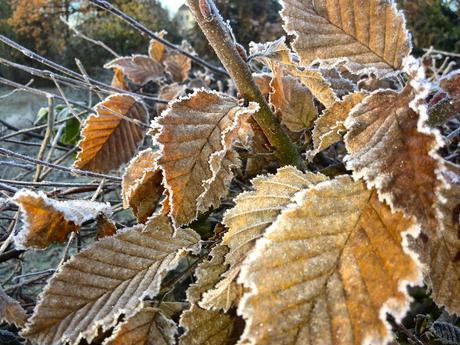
(141, 185)
(253, 213)
(366, 35)
(208, 327)
(111, 137)
(149, 326)
(140, 69)
(11, 311)
(391, 148)
(109, 279)
(157, 50)
(46, 221)
(293, 100)
(328, 270)
(329, 126)
(193, 134)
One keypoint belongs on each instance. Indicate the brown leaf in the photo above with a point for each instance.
(329, 126)
(451, 83)
(444, 251)
(104, 227)
(206, 326)
(140, 69)
(328, 270)
(169, 92)
(118, 79)
(247, 221)
(111, 137)
(46, 221)
(271, 53)
(341, 85)
(141, 185)
(392, 150)
(293, 100)
(263, 83)
(149, 326)
(157, 50)
(11, 311)
(192, 130)
(109, 279)
(367, 35)
(178, 67)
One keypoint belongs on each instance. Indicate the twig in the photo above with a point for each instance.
(141, 28)
(219, 38)
(46, 140)
(11, 93)
(11, 189)
(100, 85)
(58, 167)
(59, 161)
(66, 101)
(29, 167)
(11, 231)
(431, 50)
(49, 183)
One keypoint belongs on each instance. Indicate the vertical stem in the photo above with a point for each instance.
(212, 25)
(46, 139)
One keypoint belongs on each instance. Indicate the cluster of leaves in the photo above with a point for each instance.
(321, 256)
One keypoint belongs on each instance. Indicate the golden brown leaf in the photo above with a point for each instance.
(157, 50)
(388, 149)
(328, 269)
(247, 221)
(111, 137)
(46, 221)
(444, 252)
(149, 326)
(192, 131)
(329, 126)
(141, 185)
(109, 279)
(366, 34)
(263, 83)
(104, 227)
(451, 83)
(11, 311)
(340, 85)
(206, 327)
(178, 66)
(118, 79)
(293, 100)
(140, 69)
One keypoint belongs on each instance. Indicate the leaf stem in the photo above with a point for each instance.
(221, 41)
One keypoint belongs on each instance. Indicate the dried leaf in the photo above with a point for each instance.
(141, 185)
(169, 92)
(206, 327)
(451, 84)
(104, 227)
(294, 101)
(247, 221)
(149, 326)
(11, 311)
(157, 50)
(109, 279)
(192, 130)
(328, 269)
(444, 252)
(271, 53)
(140, 69)
(317, 84)
(367, 35)
(178, 66)
(342, 86)
(118, 79)
(112, 135)
(329, 126)
(46, 221)
(263, 83)
(389, 147)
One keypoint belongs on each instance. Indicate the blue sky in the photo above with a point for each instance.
(172, 5)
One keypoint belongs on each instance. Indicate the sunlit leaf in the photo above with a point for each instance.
(328, 269)
(365, 34)
(109, 279)
(140, 69)
(11, 311)
(111, 136)
(46, 221)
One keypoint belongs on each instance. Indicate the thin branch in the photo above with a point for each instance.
(220, 39)
(58, 167)
(96, 84)
(46, 140)
(141, 28)
(49, 184)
